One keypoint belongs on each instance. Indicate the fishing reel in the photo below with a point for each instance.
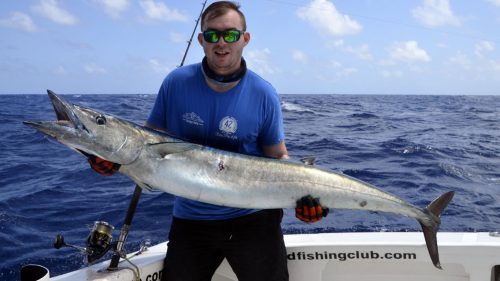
(98, 243)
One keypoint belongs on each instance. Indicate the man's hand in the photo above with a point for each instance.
(102, 166)
(309, 209)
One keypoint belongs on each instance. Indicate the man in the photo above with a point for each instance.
(220, 103)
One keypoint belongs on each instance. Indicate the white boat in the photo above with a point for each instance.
(374, 256)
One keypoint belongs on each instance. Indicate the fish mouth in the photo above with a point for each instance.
(65, 114)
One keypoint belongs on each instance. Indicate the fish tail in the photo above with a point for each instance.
(430, 227)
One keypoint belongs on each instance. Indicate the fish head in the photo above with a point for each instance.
(91, 132)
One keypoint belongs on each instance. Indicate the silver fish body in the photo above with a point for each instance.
(230, 179)
(157, 160)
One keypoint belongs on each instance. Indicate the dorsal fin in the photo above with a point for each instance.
(308, 160)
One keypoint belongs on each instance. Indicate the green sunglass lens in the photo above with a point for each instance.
(211, 36)
(231, 36)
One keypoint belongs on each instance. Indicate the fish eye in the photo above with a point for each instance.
(100, 120)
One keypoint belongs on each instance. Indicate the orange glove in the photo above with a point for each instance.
(309, 209)
(102, 166)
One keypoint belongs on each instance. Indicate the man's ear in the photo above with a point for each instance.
(200, 38)
(246, 37)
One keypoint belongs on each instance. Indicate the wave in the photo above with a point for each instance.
(295, 108)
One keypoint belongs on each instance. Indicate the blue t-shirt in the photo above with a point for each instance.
(242, 120)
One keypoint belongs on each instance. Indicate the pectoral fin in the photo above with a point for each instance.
(165, 148)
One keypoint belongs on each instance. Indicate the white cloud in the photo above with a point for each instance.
(460, 60)
(347, 71)
(94, 68)
(51, 10)
(60, 70)
(442, 45)
(299, 56)
(495, 2)
(335, 64)
(21, 21)
(362, 52)
(495, 65)
(435, 13)
(159, 67)
(340, 70)
(408, 52)
(323, 15)
(391, 73)
(258, 60)
(114, 7)
(177, 37)
(159, 11)
(483, 46)
(483, 66)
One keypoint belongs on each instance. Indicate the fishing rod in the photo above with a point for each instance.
(192, 34)
(119, 253)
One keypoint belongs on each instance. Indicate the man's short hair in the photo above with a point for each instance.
(221, 8)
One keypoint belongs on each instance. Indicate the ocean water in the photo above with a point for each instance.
(416, 147)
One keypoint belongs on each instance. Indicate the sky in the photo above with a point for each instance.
(410, 47)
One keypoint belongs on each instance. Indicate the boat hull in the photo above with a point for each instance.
(345, 256)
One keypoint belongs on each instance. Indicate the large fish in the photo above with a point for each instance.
(157, 160)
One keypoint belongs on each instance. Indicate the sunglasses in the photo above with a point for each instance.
(229, 36)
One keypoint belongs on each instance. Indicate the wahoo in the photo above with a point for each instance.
(156, 160)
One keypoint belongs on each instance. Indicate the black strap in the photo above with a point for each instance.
(224, 78)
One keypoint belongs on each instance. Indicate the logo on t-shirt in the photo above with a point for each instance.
(228, 125)
(192, 118)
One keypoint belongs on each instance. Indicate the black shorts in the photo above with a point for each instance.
(253, 246)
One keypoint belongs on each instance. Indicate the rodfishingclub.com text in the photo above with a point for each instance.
(344, 256)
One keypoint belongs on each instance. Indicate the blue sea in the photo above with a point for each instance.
(416, 147)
